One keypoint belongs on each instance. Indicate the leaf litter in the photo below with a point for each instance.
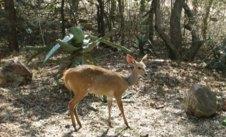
(153, 107)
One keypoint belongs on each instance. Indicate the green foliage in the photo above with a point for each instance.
(78, 43)
(219, 60)
(78, 35)
(142, 6)
(61, 43)
(51, 52)
(142, 40)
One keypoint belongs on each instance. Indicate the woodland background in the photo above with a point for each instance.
(185, 41)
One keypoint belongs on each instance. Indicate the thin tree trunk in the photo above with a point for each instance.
(100, 18)
(171, 4)
(175, 26)
(111, 18)
(173, 53)
(62, 18)
(151, 22)
(196, 42)
(12, 26)
(74, 10)
(122, 21)
(205, 19)
(112, 13)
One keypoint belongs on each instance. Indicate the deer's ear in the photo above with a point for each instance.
(130, 59)
(144, 58)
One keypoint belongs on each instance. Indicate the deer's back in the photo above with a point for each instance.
(95, 79)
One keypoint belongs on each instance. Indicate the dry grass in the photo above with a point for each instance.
(153, 106)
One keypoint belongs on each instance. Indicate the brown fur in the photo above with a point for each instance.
(94, 79)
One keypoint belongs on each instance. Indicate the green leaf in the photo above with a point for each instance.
(78, 35)
(67, 47)
(111, 44)
(61, 43)
(51, 52)
(86, 41)
(90, 46)
(141, 40)
(68, 38)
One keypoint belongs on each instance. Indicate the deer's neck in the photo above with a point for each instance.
(132, 78)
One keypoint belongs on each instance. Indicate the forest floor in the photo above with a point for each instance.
(153, 107)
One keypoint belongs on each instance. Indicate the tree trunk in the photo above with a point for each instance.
(175, 26)
(62, 18)
(205, 19)
(122, 21)
(112, 14)
(173, 53)
(196, 42)
(74, 10)
(100, 18)
(151, 22)
(12, 26)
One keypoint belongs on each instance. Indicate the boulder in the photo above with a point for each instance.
(200, 101)
(14, 73)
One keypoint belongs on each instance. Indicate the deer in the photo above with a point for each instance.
(85, 79)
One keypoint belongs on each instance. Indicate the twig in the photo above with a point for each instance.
(42, 35)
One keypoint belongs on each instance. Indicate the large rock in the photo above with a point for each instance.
(200, 101)
(14, 73)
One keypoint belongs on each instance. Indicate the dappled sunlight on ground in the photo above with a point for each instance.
(154, 106)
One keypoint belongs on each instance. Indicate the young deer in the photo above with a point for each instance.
(93, 79)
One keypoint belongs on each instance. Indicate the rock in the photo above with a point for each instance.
(200, 101)
(14, 73)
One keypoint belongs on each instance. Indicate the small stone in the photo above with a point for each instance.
(144, 135)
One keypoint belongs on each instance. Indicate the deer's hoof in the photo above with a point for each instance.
(127, 125)
(110, 125)
(80, 126)
(74, 127)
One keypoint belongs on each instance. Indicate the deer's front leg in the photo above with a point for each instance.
(119, 102)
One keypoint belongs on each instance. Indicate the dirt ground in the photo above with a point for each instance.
(153, 107)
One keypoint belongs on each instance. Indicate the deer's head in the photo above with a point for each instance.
(138, 66)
